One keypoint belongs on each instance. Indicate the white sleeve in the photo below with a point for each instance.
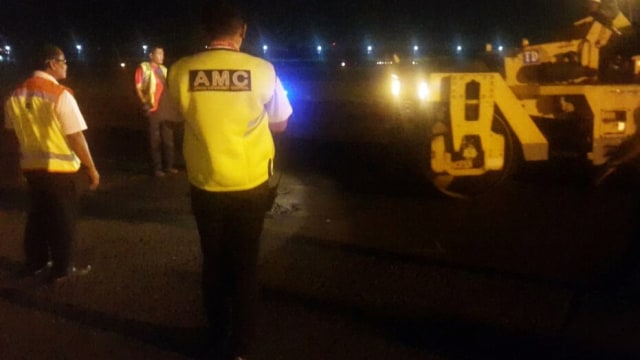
(69, 114)
(279, 108)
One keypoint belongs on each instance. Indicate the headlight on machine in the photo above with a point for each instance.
(420, 87)
(423, 90)
(395, 86)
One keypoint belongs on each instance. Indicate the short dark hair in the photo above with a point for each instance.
(47, 53)
(155, 47)
(222, 18)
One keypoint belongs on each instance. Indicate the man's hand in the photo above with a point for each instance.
(146, 107)
(94, 178)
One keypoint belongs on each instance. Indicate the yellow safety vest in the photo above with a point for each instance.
(222, 95)
(149, 81)
(43, 145)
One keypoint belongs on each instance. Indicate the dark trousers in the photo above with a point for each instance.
(51, 223)
(161, 144)
(230, 224)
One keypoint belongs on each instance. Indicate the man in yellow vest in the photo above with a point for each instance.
(231, 103)
(150, 81)
(49, 127)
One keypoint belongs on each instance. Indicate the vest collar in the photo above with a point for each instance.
(229, 45)
(44, 75)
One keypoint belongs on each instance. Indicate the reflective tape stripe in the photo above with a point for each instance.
(48, 156)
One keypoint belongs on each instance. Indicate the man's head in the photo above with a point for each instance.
(593, 5)
(52, 61)
(223, 20)
(156, 54)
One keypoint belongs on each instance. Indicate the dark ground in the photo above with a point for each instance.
(360, 259)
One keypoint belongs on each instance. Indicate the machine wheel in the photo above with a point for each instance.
(469, 186)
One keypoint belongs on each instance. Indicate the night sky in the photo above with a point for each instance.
(122, 25)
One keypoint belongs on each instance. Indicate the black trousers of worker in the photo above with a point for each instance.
(161, 144)
(230, 224)
(51, 223)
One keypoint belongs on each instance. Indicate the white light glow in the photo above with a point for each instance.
(78, 47)
(423, 90)
(265, 48)
(343, 64)
(123, 65)
(319, 49)
(395, 85)
(416, 48)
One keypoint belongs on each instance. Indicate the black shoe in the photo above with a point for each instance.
(32, 270)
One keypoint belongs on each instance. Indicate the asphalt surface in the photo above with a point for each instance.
(359, 260)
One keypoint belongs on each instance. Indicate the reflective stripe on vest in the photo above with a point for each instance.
(43, 145)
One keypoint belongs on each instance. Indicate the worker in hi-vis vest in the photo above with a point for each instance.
(150, 80)
(49, 126)
(231, 103)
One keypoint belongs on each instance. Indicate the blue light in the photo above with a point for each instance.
(265, 48)
(319, 49)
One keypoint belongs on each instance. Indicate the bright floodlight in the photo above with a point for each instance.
(7, 47)
(1, 58)
(415, 48)
(369, 49)
(319, 48)
(423, 90)
(459, 48)
(265, 48)
(144, 48)
(395, 85)
(78, 47)
(123, 65)
(343, 64)
(500, 48)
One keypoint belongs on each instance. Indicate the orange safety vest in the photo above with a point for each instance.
(43, 145)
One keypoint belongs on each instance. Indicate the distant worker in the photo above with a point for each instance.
(231, 102)
(49, 127)
(150, 81)
(604, 11)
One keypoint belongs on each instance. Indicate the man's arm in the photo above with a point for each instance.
(139, 89)
(78, 144)
(279, 109)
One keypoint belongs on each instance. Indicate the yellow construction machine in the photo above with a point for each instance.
(551, 99)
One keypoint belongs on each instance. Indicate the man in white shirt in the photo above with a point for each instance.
(49, 126)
